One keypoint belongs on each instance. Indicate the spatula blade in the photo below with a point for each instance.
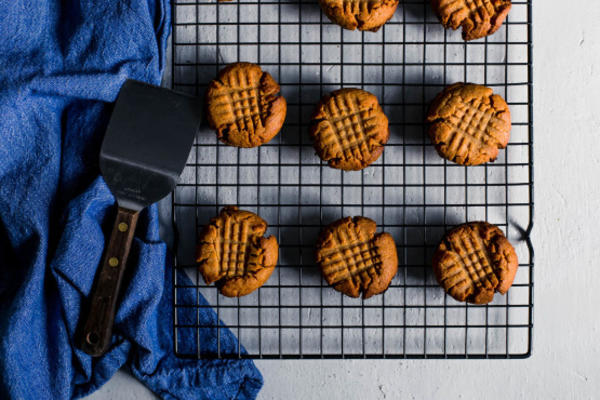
(147, 142)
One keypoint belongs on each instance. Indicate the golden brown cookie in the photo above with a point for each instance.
(354, 259)
(244, 105)
(469, 123)
(473, 261)
(233, 252)
(349, 129)
(478, 18)
(366, 15)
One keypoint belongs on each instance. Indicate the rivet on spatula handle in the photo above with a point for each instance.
(97, 330)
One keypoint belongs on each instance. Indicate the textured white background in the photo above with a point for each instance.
(566, 353)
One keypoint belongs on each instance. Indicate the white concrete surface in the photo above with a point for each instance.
(566, 353)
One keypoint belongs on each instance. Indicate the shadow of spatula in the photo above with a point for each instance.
(147, 143)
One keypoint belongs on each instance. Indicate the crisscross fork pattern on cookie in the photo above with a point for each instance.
(472, 258)
(356, 6)
(240, 101)
(475, 7)
(350, 127)
(473, 122)
(354, 257)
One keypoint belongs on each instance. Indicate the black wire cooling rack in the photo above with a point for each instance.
(410, 191)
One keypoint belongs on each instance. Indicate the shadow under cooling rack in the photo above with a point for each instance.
(410, 191)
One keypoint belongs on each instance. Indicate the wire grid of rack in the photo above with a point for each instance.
(410, 191)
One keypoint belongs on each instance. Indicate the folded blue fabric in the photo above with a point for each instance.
(61, 62)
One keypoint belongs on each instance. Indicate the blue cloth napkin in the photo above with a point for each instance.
(61, 63)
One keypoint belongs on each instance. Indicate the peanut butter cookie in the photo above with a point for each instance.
(366, 15)
(474, 261)
(354, 259)
(233, 252)
(244, 105)
(469, 123)
(349, 129)
(478, 18)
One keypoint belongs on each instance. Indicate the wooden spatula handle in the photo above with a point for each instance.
(97, 330)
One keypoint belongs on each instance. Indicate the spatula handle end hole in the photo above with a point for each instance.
(92, 338)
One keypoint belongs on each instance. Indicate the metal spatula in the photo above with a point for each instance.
(147, 142)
